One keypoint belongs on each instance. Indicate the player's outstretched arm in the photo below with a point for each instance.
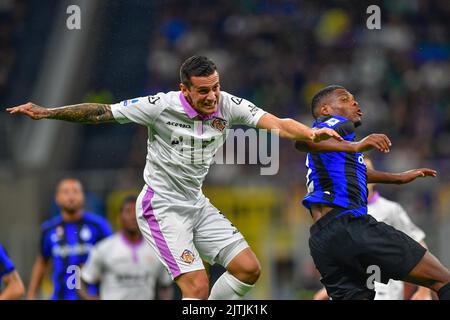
(374, 176)
(373, 141)
(291, 129)
(83, 113)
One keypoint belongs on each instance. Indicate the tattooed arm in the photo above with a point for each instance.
(83, 113)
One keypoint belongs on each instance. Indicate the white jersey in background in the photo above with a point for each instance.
(125, 270)
(174, 216)
(393, 214)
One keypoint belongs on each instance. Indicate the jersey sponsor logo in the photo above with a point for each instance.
(236, 100)
(71, 250)
(187, 256)
(176, 124)
(361, 159)
(127, 102)
(331, 122)
(253, 109)
(219, 124)
(153, 99)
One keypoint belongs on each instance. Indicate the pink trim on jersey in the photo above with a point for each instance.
(374, 197)
(132, 245)
(192, 113)
(155, 230)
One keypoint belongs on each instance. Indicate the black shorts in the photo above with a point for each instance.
(350, 252)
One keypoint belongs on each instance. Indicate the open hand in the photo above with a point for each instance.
(411, 175)
(325, 134)
(30, 109)
(377, 141)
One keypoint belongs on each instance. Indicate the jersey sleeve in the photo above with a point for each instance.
(243, 111)
(402, 222)
(6, 265)
(92, 270)
(46, 244)
(105, 229)
(142, 110)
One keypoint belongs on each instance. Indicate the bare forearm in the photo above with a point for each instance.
(294, 130)
(39, 269)
(374, 176)
(83, 113)
(330, 145)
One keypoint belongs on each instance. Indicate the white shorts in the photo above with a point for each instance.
(184, 233)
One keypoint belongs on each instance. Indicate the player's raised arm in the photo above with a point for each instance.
(374, 176)
(83, 113)
(373, 141)
(291, 129)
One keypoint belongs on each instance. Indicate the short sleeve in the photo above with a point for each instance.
(46, 244)
(92, 269)
(6, 265)
(105, 228)
(402, 222)
(243, 111)
(143, 110)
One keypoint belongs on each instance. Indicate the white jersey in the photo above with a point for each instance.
(125, 270)
(182, 143)
(393, 214)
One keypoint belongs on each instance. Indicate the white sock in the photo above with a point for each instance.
(227, 287)
(190, 299)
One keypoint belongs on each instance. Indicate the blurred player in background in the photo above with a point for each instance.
(125, 266)
(10, 278)
(344, 239)
(185, 129)
(66, 241)
(393, 214)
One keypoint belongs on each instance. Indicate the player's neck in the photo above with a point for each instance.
(71, 217)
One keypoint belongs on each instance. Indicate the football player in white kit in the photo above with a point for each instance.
(393, 214)
(124, 265)
(173, 214)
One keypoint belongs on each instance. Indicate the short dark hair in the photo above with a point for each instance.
(127, 200)
(196, 66)
(319, 96)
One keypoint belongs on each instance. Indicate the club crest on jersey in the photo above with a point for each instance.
(85, 234)
(219, 124)
(187, 256)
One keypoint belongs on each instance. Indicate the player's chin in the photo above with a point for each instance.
(209, 110)
(357, 122)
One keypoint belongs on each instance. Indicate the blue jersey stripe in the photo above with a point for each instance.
(339, 177)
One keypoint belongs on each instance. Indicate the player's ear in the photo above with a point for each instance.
(325, 110)
(184, 89)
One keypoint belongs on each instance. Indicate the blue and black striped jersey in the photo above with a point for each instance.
(68, 244)
(337, 178)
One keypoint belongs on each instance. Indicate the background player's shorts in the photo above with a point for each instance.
(184, 233)
(344, 247)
